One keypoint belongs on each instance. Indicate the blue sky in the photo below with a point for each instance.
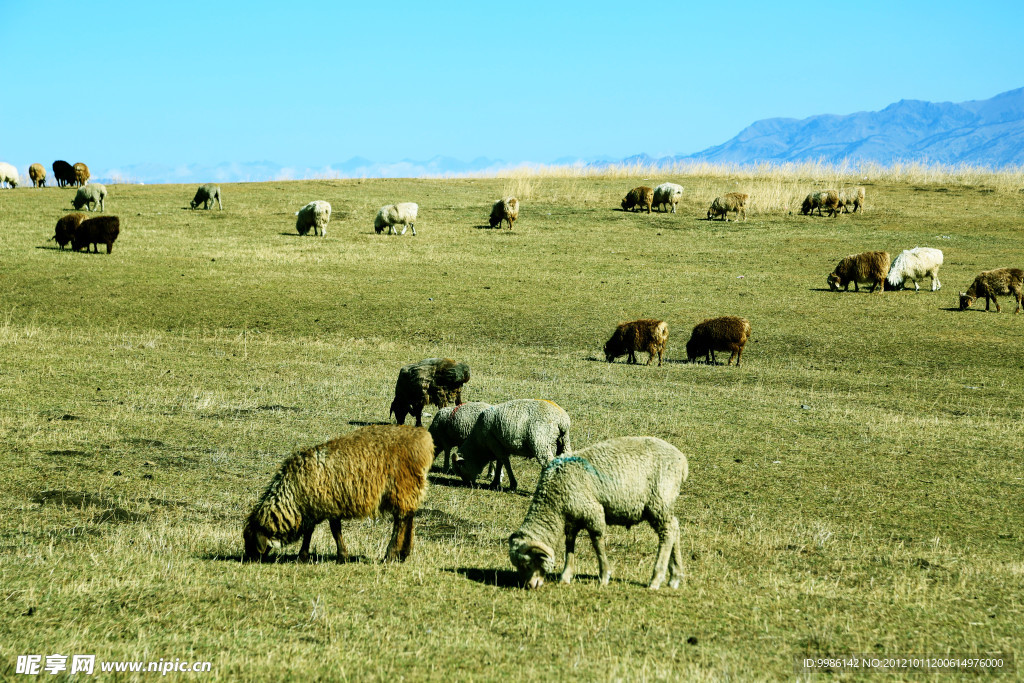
(312, 84)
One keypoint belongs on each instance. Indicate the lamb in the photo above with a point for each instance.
(506, 209)
(639, 335)
(90, 195)
(727, 333)
(915, 264)
(642, 197)
(451, 427)
(96, 231)
(826, 199)
(869, 267)
(9, 175)
(989, 283)
(381, 468)
(526, 427)
(315, 215)
(205, 196)
(64, 231)
(619, 482)
(433, 381)
(851, 196)
(391, 215)
(37, 174)
(667, 194)
(64, 173)
(81, 173)
(732, 201)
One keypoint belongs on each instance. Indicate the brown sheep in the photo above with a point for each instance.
(64, 232)
(1001, 281)
(37, 174)
(96, 231)
(851, 196)
(433, 381)
(826, 199)
(870, 267)
(728, 333)
(64, 173)
(506, 209)
(642, 197)
(81, 173)
(639, 335)
(381, 468)
(732, 201)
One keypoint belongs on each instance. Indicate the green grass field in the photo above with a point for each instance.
(855, 487)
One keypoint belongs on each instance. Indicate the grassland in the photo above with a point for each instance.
(855, 487)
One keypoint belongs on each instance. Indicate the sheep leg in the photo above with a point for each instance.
(676, 562)
(571, 531)
(338, 542)
(597, 538)
(496, 482)
(413, 226)
(408, 539)
(667, 535)
(731, 356)
(399, 536)
(739, 354)
(307, 536)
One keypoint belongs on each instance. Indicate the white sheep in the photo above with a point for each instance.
(668, 193)
(915, 264)
(89, 196)
(315, 215)
(621, 482)
(391, 215)
(8, 175)
(525, 427)
(451, 426)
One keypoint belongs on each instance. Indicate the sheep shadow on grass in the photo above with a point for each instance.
(501, 578)
(361, 423)
(278, 558)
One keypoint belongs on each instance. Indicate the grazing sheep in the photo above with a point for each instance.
(205, 196)
(869, 267)
(1002, 281)
(315, 215)
(727, 333)
(826, 199)
(37, 174)
(642, 197)
(381, 468)
(451, 427)
(81, 173)
(391, 215)
(667, 194)
(733, 201)
(506, 209)
(64, 173)
(9, 175)
(90, 196)
(915, 264)
(639, 335)
(618, 482)
(851, 196)
(433, 381)
(96, 231)
(64, 231)
(527, 427)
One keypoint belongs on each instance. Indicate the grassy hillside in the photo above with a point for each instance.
(854, 486)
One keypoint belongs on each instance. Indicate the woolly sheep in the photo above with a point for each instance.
(391, 215)
(507, 210)
(67, 225)
(90, 196)
(451, 427)
(825, 199)
(618, 482)
(64, 173)
(205, 196)
(37, 174)
(915, 264)
(732, 201)
(638, 335)
(1001, 281)
(96, 231)
(315, 215)
(381, 468)
(525, 427)
(851, 196)
(8, 175)
(869, 267)
(727, 333)
(81, 173)
(639, 197)
(667, 194)
(432, 381)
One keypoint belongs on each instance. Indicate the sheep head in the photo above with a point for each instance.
(834, 281)
(531, 558)
(469, 471)
(255, 541)
(966, 301)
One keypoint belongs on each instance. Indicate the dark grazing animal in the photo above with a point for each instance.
(205, 196)
(64, 173)
(507, 210)
(64, 231)
(731, 201)
(869, 267)
(727, 333)
(639, 335)
(825, 199)
(96, 231)
(433, 381)
(1001, 281)
(639, 197)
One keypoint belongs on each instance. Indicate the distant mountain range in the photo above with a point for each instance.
(979, 132)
